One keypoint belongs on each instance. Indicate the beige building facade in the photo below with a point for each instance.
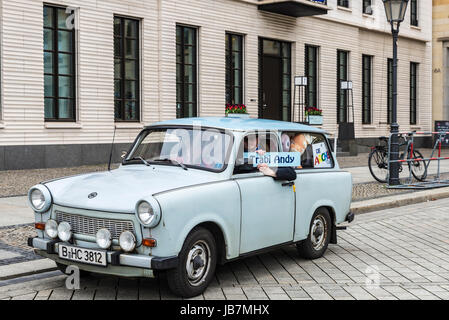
(440, 60)
(68, 81)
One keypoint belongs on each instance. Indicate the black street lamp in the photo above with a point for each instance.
(395, 11)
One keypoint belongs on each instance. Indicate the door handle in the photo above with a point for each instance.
(288, 184)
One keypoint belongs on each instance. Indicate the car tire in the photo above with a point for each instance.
(196, 264)
(320, 232)
(62, 267)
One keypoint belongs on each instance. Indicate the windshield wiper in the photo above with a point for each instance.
(172, 161)
(141, 159)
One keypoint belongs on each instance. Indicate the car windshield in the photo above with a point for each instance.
(206, 149)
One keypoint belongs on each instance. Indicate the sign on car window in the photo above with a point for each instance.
(275, 159)
(321, 156)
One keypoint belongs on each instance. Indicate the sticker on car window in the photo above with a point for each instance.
(321, 156)
(274, 159)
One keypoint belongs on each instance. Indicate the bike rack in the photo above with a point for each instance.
(437, 182)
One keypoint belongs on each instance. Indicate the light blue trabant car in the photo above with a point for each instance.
(187, 197)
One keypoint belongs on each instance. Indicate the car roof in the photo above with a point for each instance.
(238, 124)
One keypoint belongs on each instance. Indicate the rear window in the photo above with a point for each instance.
(314, 149)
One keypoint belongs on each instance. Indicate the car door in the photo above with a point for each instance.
(267, 208)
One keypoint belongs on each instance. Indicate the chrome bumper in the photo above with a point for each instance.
(114, 258)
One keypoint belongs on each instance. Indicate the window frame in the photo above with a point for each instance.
(181, 111)
(367, 4)
(122, 78)
(414, 87)
(314, 88)
(230, 85)
(368, 98)
(414, 13)
(340, 91)
(343, 3)
(55, 65)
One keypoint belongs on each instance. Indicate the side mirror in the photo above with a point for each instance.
(124, 153)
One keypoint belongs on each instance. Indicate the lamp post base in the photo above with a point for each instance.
(394, 156)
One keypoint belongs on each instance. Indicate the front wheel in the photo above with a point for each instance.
(319, 236)
(196, 266)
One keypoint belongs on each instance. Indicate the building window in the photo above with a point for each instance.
(234, 69)
(342, 95)
(413, 92)
(367, 8)
(390, 91)
(286, 81)
(311, 68)
(414, 13)
(59, 64)
(186, 72)
(343, 3)
(126, 69)
(367, 63)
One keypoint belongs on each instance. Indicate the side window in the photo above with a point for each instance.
(253, 142)
(315, 153)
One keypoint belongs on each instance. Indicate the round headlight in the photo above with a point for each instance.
(51, 228)
(64, 231)
(148, 213)
(37, 199)
(127, 241)
(104, 238)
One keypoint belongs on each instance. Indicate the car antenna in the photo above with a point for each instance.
(112, 149)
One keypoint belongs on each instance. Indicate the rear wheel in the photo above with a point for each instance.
(418, 168)
(319, 236)
(378, 165)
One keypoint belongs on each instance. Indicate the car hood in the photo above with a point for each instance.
(119, 190)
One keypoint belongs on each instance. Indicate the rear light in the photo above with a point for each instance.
(149, 243)
(39, 226)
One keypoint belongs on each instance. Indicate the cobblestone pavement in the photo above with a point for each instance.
(400, 253)
(13, 244)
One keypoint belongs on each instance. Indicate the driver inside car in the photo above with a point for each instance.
(251, 145)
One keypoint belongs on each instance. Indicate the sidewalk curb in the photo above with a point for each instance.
(32, 267)
(395, 201)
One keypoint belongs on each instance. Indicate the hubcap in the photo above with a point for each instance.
(318, 232)
(198, 262)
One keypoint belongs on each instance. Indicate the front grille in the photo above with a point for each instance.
(90, 226)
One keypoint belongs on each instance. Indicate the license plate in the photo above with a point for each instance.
(82, 255)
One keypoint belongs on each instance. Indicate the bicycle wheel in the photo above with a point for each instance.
(419, 169)
(378, 165)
